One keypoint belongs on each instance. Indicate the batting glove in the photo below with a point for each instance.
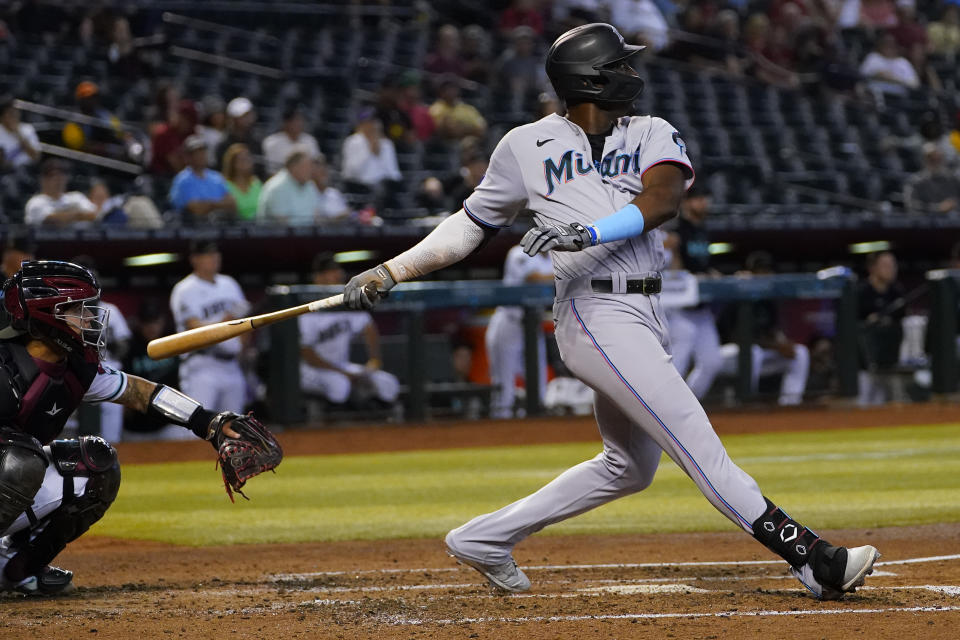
(367, 289)
(556, 237)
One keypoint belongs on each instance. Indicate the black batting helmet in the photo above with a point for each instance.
(582, 66)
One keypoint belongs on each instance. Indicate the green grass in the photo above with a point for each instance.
(855, 478)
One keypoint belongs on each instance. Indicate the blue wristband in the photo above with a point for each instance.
(625, 223)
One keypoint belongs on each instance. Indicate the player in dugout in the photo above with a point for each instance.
(52, 491)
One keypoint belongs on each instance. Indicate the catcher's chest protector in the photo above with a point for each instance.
(47, 393)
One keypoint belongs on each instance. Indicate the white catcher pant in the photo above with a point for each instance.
(767, 362)
(617, 345)
(505, 353)
(218, 385)
(336, 387)
(693, 336)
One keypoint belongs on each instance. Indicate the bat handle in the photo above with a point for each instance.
(326, 303)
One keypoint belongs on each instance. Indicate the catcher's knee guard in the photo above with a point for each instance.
(22, 468)
(91, 457)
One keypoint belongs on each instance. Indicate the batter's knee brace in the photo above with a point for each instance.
(91, 457)
(21, 475)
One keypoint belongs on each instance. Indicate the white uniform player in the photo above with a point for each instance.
(212, 376)
(117, 334)
(504, 337)
(327, 335)
(623, 176)
(693, 330)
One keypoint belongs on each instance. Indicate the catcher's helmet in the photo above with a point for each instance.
(57, 302)
(582, 66)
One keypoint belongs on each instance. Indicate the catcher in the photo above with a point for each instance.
(52, 491)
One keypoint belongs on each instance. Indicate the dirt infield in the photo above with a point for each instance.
(653, 586)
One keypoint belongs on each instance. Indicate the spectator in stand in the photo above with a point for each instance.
(242, 182)
(409, 101)
(724, 50)
(887, 71)
(455, 119)
(878, 14)
(201, 194)
(370, 159)
(166, 101)
(640, 21)
(278, 146)
(108, 139)
(445, 57)
(133, 211)
(521, 13)
(475, 53)
(519, 72)
(290, 197)
(394, 119)
(54, 205)
(169, 156)
(19, 145)
(333, 206)
(935, 189)
(944, 34)
(122, 54)
(881, 310)
(908, 31)
(213, 126)
(18, 248)
(240, 120)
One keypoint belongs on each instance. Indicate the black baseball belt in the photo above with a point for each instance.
(646, 286)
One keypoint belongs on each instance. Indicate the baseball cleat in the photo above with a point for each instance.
(51, 581)
(504, 576)
(836, 571)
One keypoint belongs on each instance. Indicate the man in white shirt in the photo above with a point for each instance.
(887, 71)
(290, 197)
(369, 157)
(54, 205)
(278, 146)
(18, 140)
(325, 336)
(212, 376)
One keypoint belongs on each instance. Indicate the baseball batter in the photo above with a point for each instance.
(206, 296)
(600, 183)
(504, 337)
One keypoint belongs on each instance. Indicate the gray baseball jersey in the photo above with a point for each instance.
(614, 342)
(548, 166)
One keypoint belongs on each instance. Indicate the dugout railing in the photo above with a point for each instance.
(414, 300)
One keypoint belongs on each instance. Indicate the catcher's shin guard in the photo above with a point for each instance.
(91, 457)
(785, 536)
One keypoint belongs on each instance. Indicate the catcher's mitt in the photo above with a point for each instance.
(252, 453)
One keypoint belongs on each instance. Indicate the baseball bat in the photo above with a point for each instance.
(201, 337)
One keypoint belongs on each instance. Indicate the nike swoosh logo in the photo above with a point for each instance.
(540, 143)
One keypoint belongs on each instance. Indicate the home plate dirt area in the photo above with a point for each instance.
(656, 586)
